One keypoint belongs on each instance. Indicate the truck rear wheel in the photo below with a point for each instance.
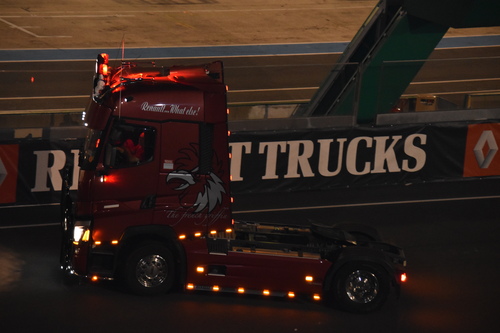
(360, 287)
(149, 269)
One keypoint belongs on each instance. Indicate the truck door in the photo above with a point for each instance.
(181, 181)
(125, 183)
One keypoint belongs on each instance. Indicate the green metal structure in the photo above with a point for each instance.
(389, 50)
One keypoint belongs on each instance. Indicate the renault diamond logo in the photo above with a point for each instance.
(485, 149)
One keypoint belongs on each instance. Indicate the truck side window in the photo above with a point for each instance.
(206, 149)
(129, 145)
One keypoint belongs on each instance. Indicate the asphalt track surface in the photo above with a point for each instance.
(449, 231)
(451, 245)
(62, 86)
(223, 51)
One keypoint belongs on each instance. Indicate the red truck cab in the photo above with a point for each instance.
(153, 207)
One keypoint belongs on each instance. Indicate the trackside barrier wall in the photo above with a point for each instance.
(280, 160)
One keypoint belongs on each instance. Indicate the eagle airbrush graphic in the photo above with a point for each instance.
(207, 189)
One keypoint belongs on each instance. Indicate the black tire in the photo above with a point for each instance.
(149, 269)
(360, 287)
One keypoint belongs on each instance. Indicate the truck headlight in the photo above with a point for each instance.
(81, 232)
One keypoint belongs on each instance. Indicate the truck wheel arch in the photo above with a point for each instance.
(149, 269)
(349, 254)
(362, 256)
(359, 286)
(135, 237)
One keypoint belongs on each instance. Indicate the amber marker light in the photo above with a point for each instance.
(241, 290)
(182, 236)
(97, 242)
(291, 294)
(95, 278)
(309, 278)
(266, 292)
(316, 297)
(114, 242)
(215, 288)
(190, 286)
(403, 277)
(200, 269)
(197, 234)
(229, 231)
(86, 236)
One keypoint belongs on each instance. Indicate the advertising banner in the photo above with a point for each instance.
(325, 159)
(9, 158)
(283, 161)
(31, 170)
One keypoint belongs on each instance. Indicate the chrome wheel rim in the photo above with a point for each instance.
(362, 286)
(151, 271)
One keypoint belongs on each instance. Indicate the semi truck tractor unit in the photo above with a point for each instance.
(153, 205)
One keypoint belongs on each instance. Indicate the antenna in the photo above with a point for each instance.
(122, 60)
(123, 48)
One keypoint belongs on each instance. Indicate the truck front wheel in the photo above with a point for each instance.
(361, 287)
(149, 269)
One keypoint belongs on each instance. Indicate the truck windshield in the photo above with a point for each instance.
(89, 157)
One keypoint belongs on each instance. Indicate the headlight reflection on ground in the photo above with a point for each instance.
(10, 268)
